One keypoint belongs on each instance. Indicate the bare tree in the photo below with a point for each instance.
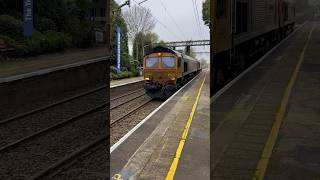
(138, 19)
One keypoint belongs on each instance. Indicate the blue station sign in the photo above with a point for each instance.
(118, 49)
(27, 18)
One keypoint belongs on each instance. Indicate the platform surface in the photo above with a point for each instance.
(125, 81)
(243, 116)
(149, 152)
(20, 66)
(297, 152)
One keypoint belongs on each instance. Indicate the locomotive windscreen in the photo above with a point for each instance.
(152, 62)
(167, 62)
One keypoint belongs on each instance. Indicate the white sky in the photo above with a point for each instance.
(183, 27)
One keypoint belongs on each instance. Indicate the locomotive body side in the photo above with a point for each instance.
(190, 65)
(243, 31)
(254, 18)
(222, 35)
(237, 21)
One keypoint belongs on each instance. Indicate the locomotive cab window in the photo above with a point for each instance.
(152, 62)
(167, 62)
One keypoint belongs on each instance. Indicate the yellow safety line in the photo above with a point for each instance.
(267, 151)
(175, 162)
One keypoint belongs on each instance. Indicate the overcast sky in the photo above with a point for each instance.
(179, 19)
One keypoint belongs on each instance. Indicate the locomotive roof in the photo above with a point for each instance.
(163, 49)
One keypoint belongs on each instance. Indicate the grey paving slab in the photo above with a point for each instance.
(195, 160)
(297, 151)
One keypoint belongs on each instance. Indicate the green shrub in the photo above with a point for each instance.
(134, 71)
(10, 26)
(39, 43)
(8, 41)
(79, 31)
(130, 74)
(122, 74)
(46, 24)
(20, 49)
(36, 44)
(114, 76)
(113, 70)
(57, 41)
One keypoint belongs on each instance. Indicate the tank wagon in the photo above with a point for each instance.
(166, 70)
(245, 29)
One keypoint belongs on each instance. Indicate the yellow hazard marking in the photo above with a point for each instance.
(267, 151)
(175, 162)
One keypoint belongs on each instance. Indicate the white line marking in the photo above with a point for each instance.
(117, 144)
(226, 87)
(48, 70)
(123, 84)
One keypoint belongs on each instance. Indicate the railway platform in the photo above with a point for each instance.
(31, 88)
(265, 124)
(173, 141)
(19, 66)
(115, 83)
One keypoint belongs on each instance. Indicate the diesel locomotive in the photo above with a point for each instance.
(166, 70)
(243, 30)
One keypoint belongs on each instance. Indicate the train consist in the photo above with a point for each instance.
(166, 70)
(244, 30)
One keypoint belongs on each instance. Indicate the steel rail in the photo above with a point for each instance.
(47, 171)
(132, 99)
(19, 116)
(53, 127)
(114, 122)
(127, 94)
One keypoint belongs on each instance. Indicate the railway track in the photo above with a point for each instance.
(127, 104)
(39, 110)
(89, 164)
(52, 135)
(53, 171)
(117, 120)
(51, 105)
(70, 159)
(123, 121)
(51, 128)
(27, 125)
(45, 134)
(56, 170)
(126, 98)
(52, 147)
(58, 134)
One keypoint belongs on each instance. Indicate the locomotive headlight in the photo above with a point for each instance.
(172, 76)
(147, 76)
